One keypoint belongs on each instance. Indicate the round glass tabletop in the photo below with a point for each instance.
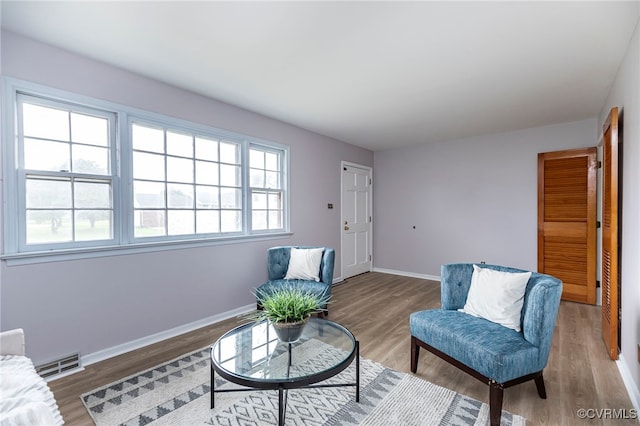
(252, 355)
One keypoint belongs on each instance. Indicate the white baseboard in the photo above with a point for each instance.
(407, 274)
(629, 383)
(158, 337)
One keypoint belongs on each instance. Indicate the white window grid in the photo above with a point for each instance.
(266, 168)
(195, 189)
(47, 219)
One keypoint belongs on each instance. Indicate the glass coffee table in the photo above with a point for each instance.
(252, 356)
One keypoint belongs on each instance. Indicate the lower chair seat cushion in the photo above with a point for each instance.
(315, 287)
(494, 351)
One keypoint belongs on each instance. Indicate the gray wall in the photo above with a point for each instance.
(625, 94)
(94, 304)
(470, 200)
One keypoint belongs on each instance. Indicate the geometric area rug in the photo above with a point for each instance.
(178, 393)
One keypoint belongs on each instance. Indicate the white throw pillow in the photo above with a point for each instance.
(304, 264)
(497, 296)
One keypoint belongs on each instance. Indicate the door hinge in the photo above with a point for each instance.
(369, 258)
(599, 164)
(370, 181)
(597, 284)
(598, 224)
(369, 218)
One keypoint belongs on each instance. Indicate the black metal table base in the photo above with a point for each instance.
(283, 388)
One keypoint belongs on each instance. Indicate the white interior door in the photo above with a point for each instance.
(356, 219)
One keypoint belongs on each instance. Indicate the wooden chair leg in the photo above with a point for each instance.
(495, 402)
(415, 351)
(542, 391)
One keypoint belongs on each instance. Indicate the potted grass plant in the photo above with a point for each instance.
(288, 309)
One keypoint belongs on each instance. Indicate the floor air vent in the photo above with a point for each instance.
(59, 366)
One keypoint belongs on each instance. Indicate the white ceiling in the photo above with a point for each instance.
(375, 74)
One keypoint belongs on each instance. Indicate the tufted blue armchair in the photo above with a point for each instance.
(490, 352)
(278, 263)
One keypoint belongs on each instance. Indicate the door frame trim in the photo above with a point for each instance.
(611, 336)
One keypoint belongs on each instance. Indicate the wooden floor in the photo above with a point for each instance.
(376, 307)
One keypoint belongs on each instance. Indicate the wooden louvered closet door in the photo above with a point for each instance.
(567, 220)
(610, 229)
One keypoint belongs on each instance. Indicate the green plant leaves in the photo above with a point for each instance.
(289, 304)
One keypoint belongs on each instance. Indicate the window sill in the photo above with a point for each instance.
(93, 252)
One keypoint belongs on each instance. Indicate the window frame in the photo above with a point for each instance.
(282, 168)
(241, 142)
(124, 240)
(23, 173)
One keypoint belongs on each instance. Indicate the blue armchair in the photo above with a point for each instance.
(278, 264)
(497, 355)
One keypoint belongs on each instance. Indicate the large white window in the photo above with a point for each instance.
(185, 183)
(82, 173)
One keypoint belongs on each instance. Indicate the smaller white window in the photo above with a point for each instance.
(267, 188)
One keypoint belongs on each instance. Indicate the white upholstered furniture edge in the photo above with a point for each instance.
(25, 397)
